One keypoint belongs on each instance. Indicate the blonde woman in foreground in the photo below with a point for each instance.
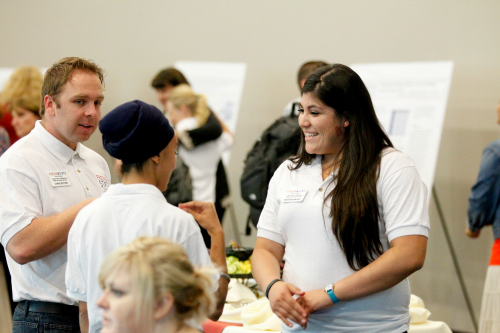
(150, 285)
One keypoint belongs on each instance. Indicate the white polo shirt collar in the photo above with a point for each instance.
(60, 150)
(316, 170)
(129, 189)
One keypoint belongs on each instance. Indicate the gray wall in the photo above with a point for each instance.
(132, 40)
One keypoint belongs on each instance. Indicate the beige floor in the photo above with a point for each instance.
(5, 314)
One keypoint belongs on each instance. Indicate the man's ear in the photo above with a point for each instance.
(164, 305)
(50, 105)
(156, 159)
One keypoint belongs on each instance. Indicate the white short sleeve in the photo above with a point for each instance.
(403, 197)
(23, 206)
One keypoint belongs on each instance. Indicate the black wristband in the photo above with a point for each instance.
(270, 285)
(225, 276)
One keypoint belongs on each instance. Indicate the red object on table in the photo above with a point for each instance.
(210, 326)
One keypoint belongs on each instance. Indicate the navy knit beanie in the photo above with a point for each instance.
(135, 131)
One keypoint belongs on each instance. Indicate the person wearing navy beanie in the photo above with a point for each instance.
(135, 131)
(138, 134)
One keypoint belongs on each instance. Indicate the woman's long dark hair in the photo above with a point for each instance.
(354, 205)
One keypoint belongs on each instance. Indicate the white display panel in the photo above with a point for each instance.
(410, 101)
(222, 84)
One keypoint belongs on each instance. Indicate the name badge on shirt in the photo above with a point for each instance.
(295, 195)
(59, 178)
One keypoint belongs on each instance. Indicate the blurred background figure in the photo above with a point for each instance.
(4, 138)
(180, 186)
(19, 110)
(188, 111)
(150, 285)
(21, 98)
(484, 210)
(305, 70)
(276, 144)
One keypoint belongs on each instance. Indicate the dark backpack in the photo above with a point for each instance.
(278, 142)
(179, 188)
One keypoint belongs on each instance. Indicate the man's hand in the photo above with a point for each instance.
(472, 234)
(204, 213)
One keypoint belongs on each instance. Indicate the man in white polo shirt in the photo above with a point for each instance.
(45, 179)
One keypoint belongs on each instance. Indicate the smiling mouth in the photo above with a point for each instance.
(310, 135)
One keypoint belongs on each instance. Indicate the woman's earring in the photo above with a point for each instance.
(346, 123)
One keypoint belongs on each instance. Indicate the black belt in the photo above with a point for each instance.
(49, 307)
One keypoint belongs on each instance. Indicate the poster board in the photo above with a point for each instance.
(221, 82)
(410, 101)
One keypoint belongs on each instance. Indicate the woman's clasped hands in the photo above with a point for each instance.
(290, 303)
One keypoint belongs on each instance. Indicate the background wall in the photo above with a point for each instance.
(133, 40)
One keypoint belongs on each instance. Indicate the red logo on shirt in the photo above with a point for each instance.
(103, 182)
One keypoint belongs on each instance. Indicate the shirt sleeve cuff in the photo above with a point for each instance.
(271, 235)
(15, 228)
(408, 231)
(78, 296)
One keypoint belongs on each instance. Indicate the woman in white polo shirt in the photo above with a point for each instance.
(348, 215)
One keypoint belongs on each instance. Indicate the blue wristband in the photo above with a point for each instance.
(334, 298)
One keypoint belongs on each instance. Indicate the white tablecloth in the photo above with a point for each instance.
(430, 327)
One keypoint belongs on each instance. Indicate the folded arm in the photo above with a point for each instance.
(209, 131)
(43, 236)
(406, 255)
(266, 260)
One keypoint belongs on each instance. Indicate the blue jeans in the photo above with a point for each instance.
(39, 322)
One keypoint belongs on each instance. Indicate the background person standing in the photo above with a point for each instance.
(484, 210)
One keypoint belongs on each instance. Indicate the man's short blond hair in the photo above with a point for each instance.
(61, 72)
